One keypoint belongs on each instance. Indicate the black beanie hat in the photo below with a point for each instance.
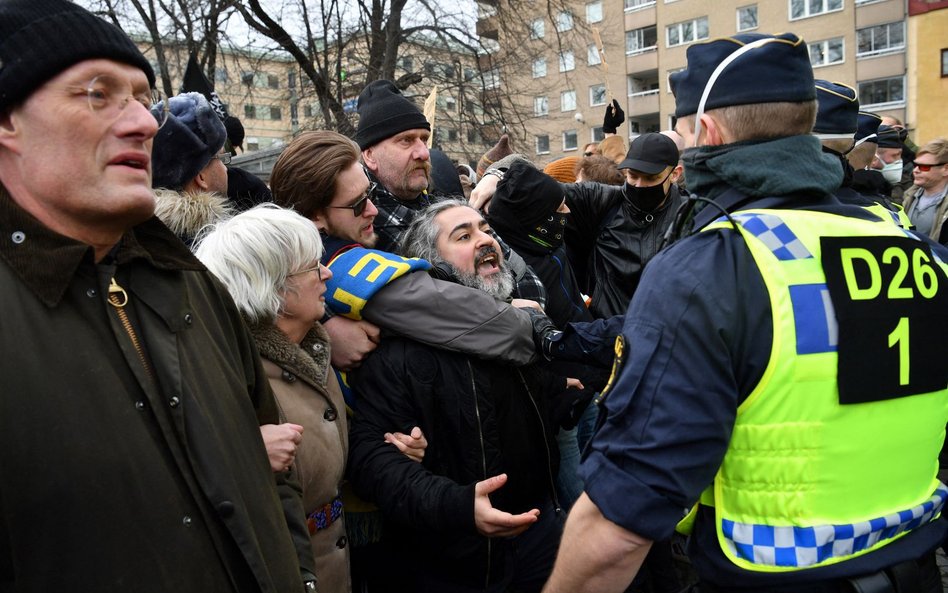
(41, 38)
(384, 112)
(529, 194)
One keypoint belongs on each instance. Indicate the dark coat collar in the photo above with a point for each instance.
(46, 261)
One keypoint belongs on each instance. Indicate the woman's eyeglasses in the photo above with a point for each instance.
(317, 268)
(359, 206)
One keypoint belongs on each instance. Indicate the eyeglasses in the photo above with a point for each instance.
(224, 157)
(317, 268)
(108, 96)
(925, 167)
(359, 206)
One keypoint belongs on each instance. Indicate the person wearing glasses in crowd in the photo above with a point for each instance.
(189, 166)
(320, 176)
(132, 393)
(926, 202)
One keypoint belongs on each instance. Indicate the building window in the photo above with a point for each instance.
(884, 92)
(594, 12)
(570, 140)
(275, 114)
(641, 86)
(250, 112)
(406, 63)
(597, 134)
(307, 111)
(541, 106)
(944, 63)
(801, 9)
(592, 55)
(597, 95)
(639, 40)
(880, 39)
(252, 143)
(564, 21)
(543, 144)
(273, 81)
(539, 68)
(637, 4)
(829, 51)
(220, 75)
(537, 29)
(567, 62)
(568, 101)
(492, 78)
(246, 78)
(747, 18)
(686, 32)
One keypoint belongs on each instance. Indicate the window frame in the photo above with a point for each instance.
(640, 32)
(538, 64)
(575, 137)
(888, 49)
(680, 27)
(562, 95)
(806, 6)
(566, 61)
(737, 14)
(541, 106)
(592, 55)
(535, 31)
(564, 21)
(536, 143)
(825, 43)
(601, 12)
(889, 103)
(601, 86)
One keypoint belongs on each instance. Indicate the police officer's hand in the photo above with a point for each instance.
(491, 522)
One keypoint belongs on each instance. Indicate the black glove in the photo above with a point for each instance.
(613, 118)
(545, 334)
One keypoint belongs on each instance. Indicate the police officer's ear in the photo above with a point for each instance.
(712, 132)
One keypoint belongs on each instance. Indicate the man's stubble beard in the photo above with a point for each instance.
(500, 287)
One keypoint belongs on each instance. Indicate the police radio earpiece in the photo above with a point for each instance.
(684, 216)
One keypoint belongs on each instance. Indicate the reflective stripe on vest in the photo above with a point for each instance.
(807, 481)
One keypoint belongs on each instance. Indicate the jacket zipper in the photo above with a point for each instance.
(118, 298)
(480, 434)
(549, 456)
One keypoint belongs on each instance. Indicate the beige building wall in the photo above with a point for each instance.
(861, 43)
(926, 115)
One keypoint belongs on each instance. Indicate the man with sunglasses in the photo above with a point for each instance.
(320, 176)
(189, 166)
(926, 202)
(132, 393)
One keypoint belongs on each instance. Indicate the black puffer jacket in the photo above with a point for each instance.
(610, 241)
(481, 419)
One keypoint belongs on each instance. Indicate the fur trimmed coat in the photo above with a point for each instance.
(186, 213)
(308, 394)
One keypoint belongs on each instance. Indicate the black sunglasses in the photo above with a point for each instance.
(359, 206)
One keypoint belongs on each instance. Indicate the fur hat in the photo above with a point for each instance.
(563, 170)
(499, 151)
(773, 69)
(41, 38)
(837, 112)
(384, 112)
(187, 142)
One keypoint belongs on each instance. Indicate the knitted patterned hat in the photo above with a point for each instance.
(41, 38)
(499, 151)
(187, 142)
(384, 112)
(563, 170)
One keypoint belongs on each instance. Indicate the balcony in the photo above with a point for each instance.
(643, 103)
(487, 27)
(642, 61)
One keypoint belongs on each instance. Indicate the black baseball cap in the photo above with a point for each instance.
(650, 154)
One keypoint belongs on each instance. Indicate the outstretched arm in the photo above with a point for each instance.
(454, 317)
(596, 555)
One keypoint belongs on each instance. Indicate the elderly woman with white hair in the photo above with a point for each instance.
(268, 258)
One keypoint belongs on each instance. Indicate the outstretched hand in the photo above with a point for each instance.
(491, 522)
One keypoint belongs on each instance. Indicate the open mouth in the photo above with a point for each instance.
(487, 264)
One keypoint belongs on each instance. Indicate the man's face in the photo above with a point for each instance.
(886, 156)
(83, 174)
(401, 163)
(936, 175)
(339, 218)
(215, 175)
(465, 241)
(665, 177)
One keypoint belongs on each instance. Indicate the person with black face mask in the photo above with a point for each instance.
(613, 232)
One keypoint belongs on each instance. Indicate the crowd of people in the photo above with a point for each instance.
(704, 361)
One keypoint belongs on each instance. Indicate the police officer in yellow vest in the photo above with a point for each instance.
(779, 390)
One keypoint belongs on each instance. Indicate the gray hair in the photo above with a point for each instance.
(420, 239)
(255, 252)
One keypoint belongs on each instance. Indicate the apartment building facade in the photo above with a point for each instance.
(862, 43)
